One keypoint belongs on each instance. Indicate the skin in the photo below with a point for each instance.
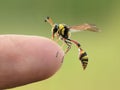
(26, 59)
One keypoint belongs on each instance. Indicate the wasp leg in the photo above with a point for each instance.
(68, 44)
(75, 42)
(57, 37)
(63, 44)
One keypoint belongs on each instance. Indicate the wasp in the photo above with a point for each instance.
(63, 32)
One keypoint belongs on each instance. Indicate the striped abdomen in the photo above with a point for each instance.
(83, 58)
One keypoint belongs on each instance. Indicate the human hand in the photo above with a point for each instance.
(26, 59)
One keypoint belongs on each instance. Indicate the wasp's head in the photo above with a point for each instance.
(55, 28)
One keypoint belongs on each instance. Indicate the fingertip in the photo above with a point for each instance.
(27, 59)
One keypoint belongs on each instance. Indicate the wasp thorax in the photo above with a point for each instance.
(61, 26)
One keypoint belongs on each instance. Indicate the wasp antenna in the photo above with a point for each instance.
(45, 20)
(49, 20)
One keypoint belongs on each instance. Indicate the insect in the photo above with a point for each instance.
(63, 32)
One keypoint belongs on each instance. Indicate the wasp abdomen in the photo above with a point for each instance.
(83, 58)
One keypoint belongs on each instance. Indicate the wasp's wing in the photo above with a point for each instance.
(49, 20)
(84, 27)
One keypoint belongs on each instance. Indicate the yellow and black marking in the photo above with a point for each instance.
(63, 31)
(83, 58)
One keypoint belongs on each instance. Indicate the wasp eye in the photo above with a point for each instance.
(55, 29)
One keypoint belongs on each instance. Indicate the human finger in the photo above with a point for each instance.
(26, 59)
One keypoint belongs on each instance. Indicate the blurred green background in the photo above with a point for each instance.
(103, 71)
